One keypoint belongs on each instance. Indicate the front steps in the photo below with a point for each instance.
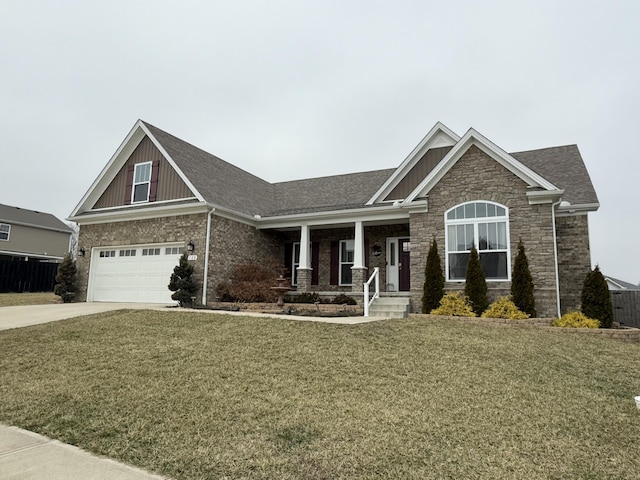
(390, 307)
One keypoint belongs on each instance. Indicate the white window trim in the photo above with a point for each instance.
(148, 182)
(8, 232)
(475, 222)
(341, 263)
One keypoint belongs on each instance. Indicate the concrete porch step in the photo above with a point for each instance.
(390, 307)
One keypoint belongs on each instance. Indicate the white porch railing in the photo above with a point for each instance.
(367, 302)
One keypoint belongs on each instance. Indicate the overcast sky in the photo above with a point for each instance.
(294, 89)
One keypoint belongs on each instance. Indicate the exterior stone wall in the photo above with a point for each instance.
(181, 228)
(574, 258)
(478, 177)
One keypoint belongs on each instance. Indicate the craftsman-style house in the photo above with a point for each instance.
(159, 195)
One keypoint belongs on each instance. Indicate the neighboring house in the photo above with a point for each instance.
(158, 195)
(615, 284)
(625, 298)
(31, 235)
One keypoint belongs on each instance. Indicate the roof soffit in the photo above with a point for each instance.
(439, 136)
(117, 161)
(471, 138)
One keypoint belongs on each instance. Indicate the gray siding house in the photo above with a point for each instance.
(32, 235)
(158, 194)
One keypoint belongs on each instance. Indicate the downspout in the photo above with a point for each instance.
(555, 255)
(206, 258)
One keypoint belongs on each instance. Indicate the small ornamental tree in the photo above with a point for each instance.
(522, 283)
(475, 287)
(596, 299)
(66, 280)
(433, 280)
(182, 283)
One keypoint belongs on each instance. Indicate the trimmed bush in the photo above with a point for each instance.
(182, 283)
(575, 320)
(522, 283)
(455, 305)
(305, 297)
(504, 307)
(251, 282)
(596, 299)
(343, 299)
(475, 287)
(66, 280)
(433, 280)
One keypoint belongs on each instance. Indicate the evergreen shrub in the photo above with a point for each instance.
(305, 297)
(182, 284)
(596, 299)
(66, 280)
(575, 320)
(475, 287)
(522, 283)
(433, 280)
(343, 299)
(504, 307)
(455, 305)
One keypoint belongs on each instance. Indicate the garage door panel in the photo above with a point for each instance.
(134, 277)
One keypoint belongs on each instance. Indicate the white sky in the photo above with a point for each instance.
(295, 89)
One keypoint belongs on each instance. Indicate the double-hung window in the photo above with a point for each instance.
(346, 261)
(141, 182)
(5, 231)
(485, 225)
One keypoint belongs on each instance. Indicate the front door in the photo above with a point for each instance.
(398, 260)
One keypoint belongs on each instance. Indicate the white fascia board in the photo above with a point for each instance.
(128, 215)
(577, 209)
(436, 137)
(315, 219)
(166, 155)
(472, 137)
(537, 197)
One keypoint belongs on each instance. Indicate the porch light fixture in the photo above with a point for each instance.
(81, 252)
(190, 246)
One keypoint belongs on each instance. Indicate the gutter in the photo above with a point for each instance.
(555, 254)
(206, 257)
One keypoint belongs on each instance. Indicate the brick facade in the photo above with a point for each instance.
(574, 258)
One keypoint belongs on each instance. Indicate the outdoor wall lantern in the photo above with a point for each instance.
(190, 246)
(376, 250)
(81, 252)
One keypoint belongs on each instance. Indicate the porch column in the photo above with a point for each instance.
(304, 268)
(359, 270)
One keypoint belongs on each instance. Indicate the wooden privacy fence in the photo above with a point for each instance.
(626, 307)
(27, 276)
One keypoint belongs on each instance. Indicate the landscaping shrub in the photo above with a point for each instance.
(182, 283)
(475, 287)
(343, 299)
(454, 304)
(251, 282)
(575, 320)
(305, 297)
(596, 299)
(433, 280)
(504, 307)
(66, 280)
(522, 283)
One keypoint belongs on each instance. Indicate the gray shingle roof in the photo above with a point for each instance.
(228, 186)
(563, 166)
(22, 216)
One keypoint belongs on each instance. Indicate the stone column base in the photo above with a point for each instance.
(304, 279)
(358, 277)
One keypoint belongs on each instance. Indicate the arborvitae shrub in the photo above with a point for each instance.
(182, 283)
(504, 307)
(522, 283)
(66, 280)
(575, 320)
(251, 282)
(475, 287)
(433, 280)
(343, 299)
(454, 304)
(596, 299)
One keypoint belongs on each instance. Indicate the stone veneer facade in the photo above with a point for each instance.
(574, 258)
(490, 182)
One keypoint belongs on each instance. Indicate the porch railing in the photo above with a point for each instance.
(375, 277)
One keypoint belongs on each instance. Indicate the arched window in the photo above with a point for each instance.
(485, 225)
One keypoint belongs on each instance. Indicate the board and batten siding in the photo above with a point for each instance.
(418, 173)
(170, 185)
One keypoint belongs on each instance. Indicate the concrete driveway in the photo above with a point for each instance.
(23, 316)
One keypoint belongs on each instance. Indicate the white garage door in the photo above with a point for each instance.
(133, 273)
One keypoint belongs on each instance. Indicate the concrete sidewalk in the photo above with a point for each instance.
(26, 455)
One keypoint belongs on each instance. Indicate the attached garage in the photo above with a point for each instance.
(133, 273)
